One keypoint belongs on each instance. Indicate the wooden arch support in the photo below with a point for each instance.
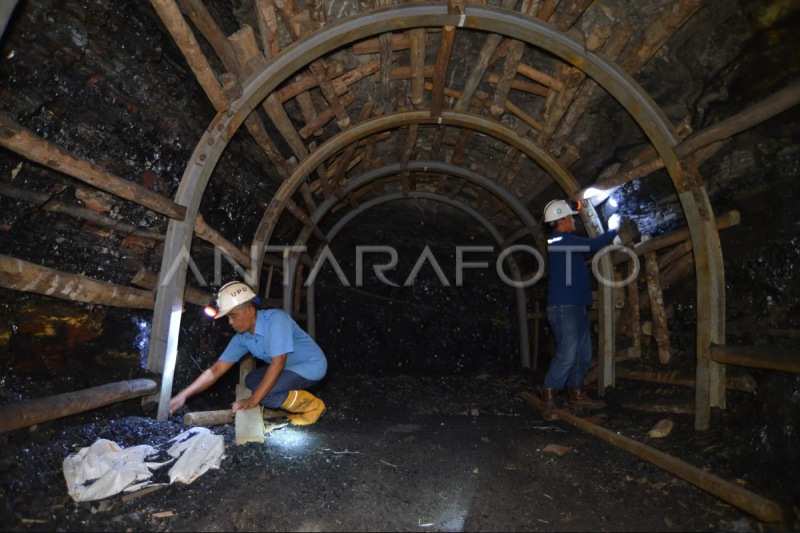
(661, 133)
(522, 306)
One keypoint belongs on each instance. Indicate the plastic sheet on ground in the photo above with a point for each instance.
(105, 468)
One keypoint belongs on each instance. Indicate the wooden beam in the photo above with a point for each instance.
(400, 41)
(571, 14)
(634, 325)
(307, 82)
(556, 103)
(204, 22)
(19, 275)
(209, 234)
(267, 27)
(440, 72)
(660, 330)
(660, 32)
(24, 142)
(616, 43)
(729, 219)
(480, 65)
(370, 148)
(31, 412)
(464, 135)
(743, 382)
(763, 357)
(44, 201)
(182, 35)
(545, 79)
(325, 117)
(344, 166)
(149, 280)
(763, 509)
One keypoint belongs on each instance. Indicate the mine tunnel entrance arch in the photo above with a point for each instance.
(710, 315)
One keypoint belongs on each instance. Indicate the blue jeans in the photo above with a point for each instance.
(287, 381)
(573, 346)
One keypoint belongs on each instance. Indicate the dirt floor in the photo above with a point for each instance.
(396, 453)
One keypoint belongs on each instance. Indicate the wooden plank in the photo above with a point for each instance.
(182, 35)
(765, 510)
(766, 358)
(660, 330)
(246, 365)
(249, 423)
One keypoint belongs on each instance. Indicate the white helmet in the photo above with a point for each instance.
(558, 209)
(229, 297)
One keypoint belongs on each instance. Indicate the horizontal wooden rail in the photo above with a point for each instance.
(25, 414)
(757, 357)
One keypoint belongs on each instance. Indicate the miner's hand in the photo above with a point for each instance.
(176, 403)
(243, 405)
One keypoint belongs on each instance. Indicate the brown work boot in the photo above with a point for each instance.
(549, 409)
(578, 399)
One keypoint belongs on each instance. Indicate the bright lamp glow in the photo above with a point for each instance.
(613, 221)
(612, 202)
(591, 192)
(210, 311)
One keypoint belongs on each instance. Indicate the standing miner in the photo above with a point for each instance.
(295, 362)
(569, 297)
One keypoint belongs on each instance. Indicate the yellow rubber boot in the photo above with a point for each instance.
(304, 406)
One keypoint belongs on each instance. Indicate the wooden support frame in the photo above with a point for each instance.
(397, 18)
(660, 329)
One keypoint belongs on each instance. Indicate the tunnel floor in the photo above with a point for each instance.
(389, 454)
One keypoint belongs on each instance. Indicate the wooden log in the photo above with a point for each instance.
(418, 38)
(545, 79)
(440, 73)
(571, 14)
(400, 41)
(256, 128)
(43, 201)
(204, 22)
(149, 280)
(268, 27)
(659, 33)
(341, 171)
(660, 330)
(209, 234)
(31, 412)
(524, 86)
(754, 115)
(307, 82)
(757, 357)
(24, 142)
(674, 254)
(368, 151)
(759, 507)
(663, 407)
(728, 220)
(19, 275)
(172, 18)
(326, 116)
(634, 327)
(547, 10)
(309, 113)
(556, 103)
(744, 382)
(249, 423)
(465, 134)
(615, 44)
(208, 418)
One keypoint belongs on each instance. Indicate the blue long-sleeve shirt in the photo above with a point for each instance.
(568, 278)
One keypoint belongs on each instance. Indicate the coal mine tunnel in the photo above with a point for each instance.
(338, 265)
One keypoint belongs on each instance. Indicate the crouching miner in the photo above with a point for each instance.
(568, 301)
(295, 362)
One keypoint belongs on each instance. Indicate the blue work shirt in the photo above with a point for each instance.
(572, 286)
(277, 334)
